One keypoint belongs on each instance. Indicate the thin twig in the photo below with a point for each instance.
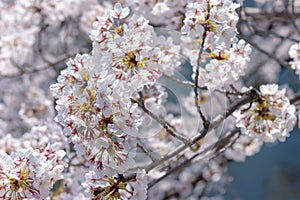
(146, 152)
(292, 17)
(257, 14)
(173, 170)
(183, 82)
(249, 97)
(270, 32)
(225, 143)
(196, 92)
(256, 46)
(221, 143)
(40, 40)
(161, 121)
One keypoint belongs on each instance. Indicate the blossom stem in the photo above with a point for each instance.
(206, 122)
(183, 82)
(146, 152)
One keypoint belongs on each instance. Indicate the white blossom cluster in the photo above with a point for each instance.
(94, 92)
(21, 23)
(31, 173)
(244, 146)
(30, 165)
(160, 13)
(227, 66)
(17, 36)
(224, 58)
(116, 125)
(270, 118)
(32, 37)
(294, 54)
(107, 183)
(219, 17)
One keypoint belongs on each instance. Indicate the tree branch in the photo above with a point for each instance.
(161, 121)
(221, 144)
(206, 123)
(250, 96)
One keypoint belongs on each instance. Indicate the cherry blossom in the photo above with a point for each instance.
(243, 147)
(30, 173)
(119, 12)
(218, 17)
(294, 54)
(124, 121)
(227, 58)
(110, 184)
(92, 116)
(168, 13)
(270, 118)
(227, 66)
(94, 97)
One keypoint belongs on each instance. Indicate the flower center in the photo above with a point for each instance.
(263, 111)
(130, 61)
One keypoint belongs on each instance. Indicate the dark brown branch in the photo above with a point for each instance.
(196, 92)
(43, 27)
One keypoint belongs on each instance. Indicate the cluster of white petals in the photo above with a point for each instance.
(95, 92)
(124, 121)
(219, 17)
(30, 173)
(90, 112)
(226, 66)
(294, 53)
(17, 36)
(19, 31)
(224, 58)
(109, 184)
(244, 146)
(160, 13)
(270, 118)
(37, 137)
